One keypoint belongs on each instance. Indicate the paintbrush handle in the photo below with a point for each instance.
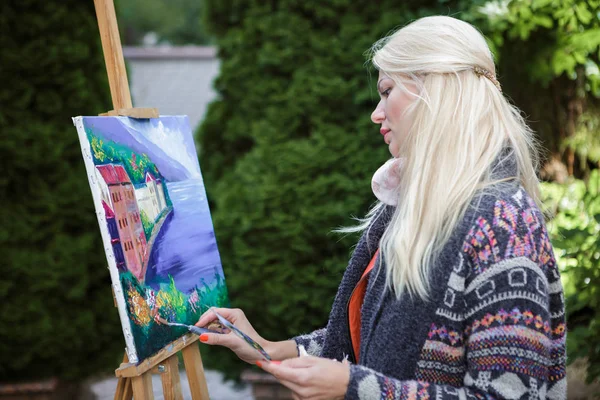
(199, 331)
(192, 328)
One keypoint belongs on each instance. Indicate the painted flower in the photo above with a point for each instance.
(193, 300)
(150, 298)
(138, 308)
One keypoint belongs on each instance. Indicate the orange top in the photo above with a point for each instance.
(355, 305)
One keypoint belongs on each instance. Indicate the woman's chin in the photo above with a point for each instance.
(393, 151)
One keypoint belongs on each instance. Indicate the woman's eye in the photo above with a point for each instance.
(386, 92)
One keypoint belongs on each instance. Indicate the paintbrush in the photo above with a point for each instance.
(224, 323)
(192, 328)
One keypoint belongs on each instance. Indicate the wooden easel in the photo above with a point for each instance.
(136, 380)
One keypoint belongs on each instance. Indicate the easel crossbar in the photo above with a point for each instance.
(128, 370)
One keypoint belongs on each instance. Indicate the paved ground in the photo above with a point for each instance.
(218, 389)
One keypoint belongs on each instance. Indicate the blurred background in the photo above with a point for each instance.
(279, 97)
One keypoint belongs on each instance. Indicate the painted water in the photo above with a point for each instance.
(187, 248)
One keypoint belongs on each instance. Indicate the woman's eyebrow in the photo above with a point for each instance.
(378, 87)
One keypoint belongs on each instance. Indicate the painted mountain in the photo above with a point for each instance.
(155, 224)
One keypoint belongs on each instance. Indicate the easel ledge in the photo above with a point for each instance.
(132, 112)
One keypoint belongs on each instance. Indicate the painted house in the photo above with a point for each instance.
(146, 202)
(160, 189)
(127, 217)
(103, 186)
(151, 197)
(115, 240)
(133, 215)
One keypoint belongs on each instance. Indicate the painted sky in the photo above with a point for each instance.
(167, 141)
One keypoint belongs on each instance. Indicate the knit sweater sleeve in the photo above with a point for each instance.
(312, 342)
(512, 323)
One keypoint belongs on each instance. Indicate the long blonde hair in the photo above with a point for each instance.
(461, 122)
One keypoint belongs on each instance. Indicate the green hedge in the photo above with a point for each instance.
(288, 149)
(57, 310)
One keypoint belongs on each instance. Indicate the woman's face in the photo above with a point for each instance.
(390, 112)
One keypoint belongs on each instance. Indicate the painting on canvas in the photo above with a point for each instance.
(155, 223)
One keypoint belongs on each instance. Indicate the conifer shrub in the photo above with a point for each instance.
(57, 313)
(288, 151)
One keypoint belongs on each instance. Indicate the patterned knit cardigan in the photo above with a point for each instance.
(493, 327)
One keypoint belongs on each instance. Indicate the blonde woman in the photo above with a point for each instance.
(452, 291)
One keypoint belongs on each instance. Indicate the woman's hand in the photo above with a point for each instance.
(277, 350)
(230, 339)
(311, 378)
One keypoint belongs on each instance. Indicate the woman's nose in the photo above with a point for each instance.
(378, 116)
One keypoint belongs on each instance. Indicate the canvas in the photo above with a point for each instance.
(155, 224)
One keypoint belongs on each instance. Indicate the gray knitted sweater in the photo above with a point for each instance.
(493, 328)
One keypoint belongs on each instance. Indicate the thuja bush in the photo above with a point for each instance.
(57, 311)
(288, 151)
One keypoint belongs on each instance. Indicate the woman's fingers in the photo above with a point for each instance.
(283, 373)
(230, 314)
(294, 379)
(219, 339)
(299, 362)
(205, 320)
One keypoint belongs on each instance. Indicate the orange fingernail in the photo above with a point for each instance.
(259, 364)
(204, 337)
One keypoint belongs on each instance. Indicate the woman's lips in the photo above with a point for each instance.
(387, 137)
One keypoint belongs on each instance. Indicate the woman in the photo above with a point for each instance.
(453, 290)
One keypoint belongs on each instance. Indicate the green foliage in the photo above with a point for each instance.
(548, 56)
(57, 313)
(570, 28)
(177, 22)
(147, 224)
(586, 140)
(575, 230)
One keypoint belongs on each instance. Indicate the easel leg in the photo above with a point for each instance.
(195, 372)
(142, 387)
(170, 379)
(124, 390)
